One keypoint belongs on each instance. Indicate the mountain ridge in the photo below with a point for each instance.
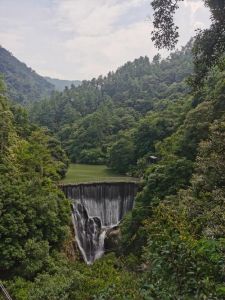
(25, 85)
(60, 84)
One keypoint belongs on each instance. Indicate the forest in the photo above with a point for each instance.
(159, 120)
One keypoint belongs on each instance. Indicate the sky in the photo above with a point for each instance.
(82, 39)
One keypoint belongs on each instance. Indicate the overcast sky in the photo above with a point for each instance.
(81, 39)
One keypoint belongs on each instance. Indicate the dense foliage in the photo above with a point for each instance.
(209, 45)
(176, 228)
(89, 119)
(142, 119)
(34, 214)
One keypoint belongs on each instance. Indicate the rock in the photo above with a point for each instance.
(112, 239)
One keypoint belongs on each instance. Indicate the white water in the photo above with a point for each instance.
(97, 208)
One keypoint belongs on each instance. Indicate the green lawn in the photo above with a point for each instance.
(91, 173)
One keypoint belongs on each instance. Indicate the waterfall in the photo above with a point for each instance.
(96, 208)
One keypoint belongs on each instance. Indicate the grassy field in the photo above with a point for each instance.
(89, 173)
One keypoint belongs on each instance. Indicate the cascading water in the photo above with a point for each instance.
(98, 207)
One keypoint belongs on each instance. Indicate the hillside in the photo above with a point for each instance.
(172, 243)
(161, 121)
(89, 118)
(60, 84)
(23, 84)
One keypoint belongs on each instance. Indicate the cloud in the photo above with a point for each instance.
(98, 55)
(12, 39)
(92, 18)
(80, 39)
(191, 15)
(194, 5)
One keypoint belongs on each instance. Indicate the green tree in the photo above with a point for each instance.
(209, 45)
(185, 247)
(121, 155)
(34, 213)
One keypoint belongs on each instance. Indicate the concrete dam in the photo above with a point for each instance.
(97, 208)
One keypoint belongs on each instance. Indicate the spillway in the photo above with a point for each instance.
(98, 207)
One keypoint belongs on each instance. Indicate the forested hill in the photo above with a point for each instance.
(24, 85)
(88, 118)
(60, 84)
(143, 120)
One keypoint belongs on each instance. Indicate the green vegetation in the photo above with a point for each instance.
(24, 85)
(65, 280)
(142, 120)
(92, 173)
(97, 121)
(34, 213)
(209, 45)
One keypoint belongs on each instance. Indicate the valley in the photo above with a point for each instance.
(113, 187)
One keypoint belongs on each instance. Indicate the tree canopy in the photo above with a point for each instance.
(209, 44)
